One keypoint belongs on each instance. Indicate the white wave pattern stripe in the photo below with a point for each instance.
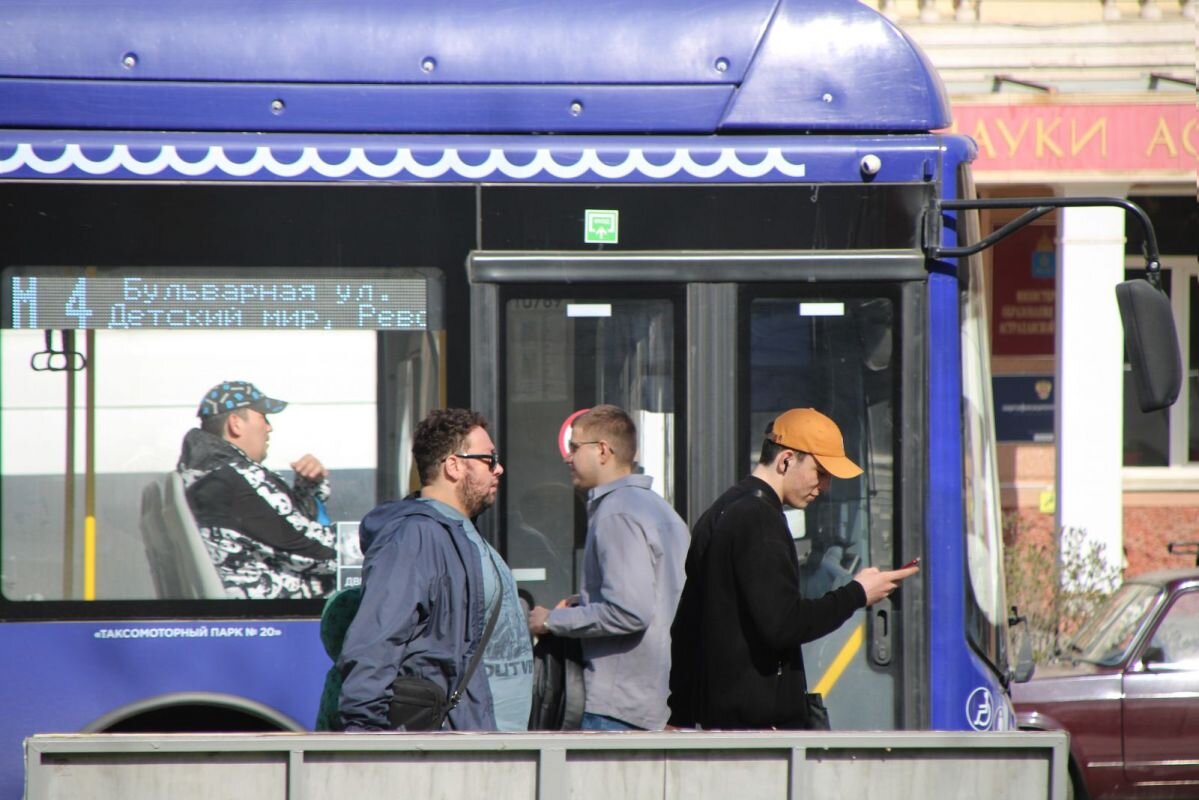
(403, 162)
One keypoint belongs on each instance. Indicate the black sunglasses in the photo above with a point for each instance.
(492, 458)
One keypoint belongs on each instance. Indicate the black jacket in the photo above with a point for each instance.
(736, 658)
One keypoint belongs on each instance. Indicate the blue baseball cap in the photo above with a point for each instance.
(231, 395)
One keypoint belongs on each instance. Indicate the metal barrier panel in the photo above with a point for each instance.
(546, 766)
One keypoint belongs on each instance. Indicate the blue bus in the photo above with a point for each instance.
(704, 213)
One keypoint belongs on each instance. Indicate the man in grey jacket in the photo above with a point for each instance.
(632, 578)
(430, 582)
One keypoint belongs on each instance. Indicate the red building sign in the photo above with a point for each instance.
(1145, 139)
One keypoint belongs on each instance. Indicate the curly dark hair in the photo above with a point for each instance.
(441, 434)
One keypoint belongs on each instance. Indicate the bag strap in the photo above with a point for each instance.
(474, 660)
(759, 492)
(756, 491)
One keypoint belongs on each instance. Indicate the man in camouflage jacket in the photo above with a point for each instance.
(268, 540)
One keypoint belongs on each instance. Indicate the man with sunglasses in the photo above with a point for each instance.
(632, 578)
(430, 583)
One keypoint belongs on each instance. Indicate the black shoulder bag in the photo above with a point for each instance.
(558, 690)
(419, 704)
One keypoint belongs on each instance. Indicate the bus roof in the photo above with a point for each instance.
(463, 66)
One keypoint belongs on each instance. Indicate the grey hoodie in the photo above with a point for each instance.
(632, 578)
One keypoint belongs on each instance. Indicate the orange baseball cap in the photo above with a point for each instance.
(809, 431)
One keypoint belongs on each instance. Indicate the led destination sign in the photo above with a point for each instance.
(292, 301)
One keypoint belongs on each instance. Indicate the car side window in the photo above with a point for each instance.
(1177, 637)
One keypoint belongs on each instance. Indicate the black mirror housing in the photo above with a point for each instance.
(1151, 342)
(1153, 655)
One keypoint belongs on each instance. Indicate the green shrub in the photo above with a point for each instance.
(1056, 582)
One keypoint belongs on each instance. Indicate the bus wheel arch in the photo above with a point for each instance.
(194, 712)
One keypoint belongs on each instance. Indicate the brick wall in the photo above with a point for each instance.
(1147, 530)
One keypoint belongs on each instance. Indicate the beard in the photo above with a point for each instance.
(476, 495)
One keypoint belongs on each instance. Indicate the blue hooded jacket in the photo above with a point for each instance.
(422, 615)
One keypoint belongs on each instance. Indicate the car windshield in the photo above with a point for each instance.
(1106, 639)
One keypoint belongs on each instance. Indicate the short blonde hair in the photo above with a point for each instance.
(613, 425)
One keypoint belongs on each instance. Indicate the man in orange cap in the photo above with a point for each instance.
(736, 637)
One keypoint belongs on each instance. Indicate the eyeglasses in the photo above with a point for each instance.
(574, 446)
(492, 458)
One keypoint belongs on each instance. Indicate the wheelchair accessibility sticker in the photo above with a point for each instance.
(980, 709)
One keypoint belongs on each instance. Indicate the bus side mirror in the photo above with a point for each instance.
(1151, 342)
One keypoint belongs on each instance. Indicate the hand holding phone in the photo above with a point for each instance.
(881, 583)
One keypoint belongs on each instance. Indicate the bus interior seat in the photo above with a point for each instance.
(198, 575)
(159, 553)
(179, 562)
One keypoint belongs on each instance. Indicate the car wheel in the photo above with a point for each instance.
(1075, 788)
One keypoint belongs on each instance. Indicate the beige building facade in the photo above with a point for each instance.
(1079, 98)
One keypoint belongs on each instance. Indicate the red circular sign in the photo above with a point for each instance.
(564, 431)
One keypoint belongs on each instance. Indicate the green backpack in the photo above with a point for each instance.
(336, 617)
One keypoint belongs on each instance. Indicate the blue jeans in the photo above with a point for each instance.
(598, 722)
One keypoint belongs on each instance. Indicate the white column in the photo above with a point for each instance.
(966, 10)
(1090, 372)
(1149, 10)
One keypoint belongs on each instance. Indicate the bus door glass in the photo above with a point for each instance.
(835, 349)
(564, 353)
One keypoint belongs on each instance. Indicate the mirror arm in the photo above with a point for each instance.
(1036, 207)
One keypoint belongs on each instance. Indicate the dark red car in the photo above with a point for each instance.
(1127, 690)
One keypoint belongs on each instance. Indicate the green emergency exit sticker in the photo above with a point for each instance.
(601, 227)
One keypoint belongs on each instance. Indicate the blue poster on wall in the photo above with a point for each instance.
(1023, 407)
